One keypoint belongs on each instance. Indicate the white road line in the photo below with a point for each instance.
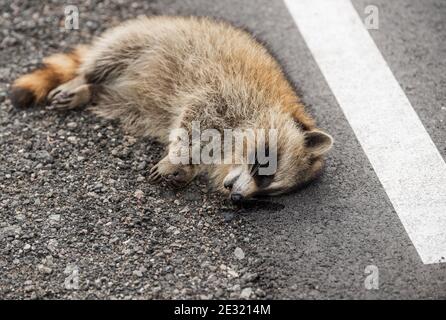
(400, 150)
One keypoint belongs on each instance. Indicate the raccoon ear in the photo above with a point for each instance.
(318, 142)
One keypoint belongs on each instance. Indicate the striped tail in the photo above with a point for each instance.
(31, 89)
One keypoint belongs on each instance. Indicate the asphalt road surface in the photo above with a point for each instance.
(79, 220)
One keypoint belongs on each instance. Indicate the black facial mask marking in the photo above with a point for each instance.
(261, 181)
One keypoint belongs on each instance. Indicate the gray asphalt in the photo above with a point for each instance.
(313, 244)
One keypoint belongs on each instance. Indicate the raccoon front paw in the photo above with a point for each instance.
(175, 175)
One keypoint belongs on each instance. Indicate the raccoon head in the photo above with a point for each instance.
(298, 160)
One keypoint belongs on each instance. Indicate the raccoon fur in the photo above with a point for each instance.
(157, 74)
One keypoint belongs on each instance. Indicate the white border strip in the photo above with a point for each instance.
(405, 159)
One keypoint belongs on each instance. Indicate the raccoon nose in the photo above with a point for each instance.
(228, 184)
(236, 197)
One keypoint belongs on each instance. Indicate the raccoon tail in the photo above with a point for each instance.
(31, 89)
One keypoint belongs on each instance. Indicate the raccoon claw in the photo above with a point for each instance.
(52, 94)
(69, 96)
(62, 100)
(154, 174)
(177, 179)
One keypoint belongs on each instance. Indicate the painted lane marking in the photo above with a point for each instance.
(405, 159)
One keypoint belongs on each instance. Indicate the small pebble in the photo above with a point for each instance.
(239, 254)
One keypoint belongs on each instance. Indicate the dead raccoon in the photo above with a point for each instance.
(158, 74)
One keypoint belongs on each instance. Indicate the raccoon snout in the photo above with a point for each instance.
(239, 184)
(231, 178)
(235, 196)
(228, 184)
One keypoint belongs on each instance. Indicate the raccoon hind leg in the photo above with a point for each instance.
(70, 95)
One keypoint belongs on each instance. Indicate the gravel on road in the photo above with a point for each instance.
(78, 218)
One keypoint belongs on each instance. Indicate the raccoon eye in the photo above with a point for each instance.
(261, 181)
